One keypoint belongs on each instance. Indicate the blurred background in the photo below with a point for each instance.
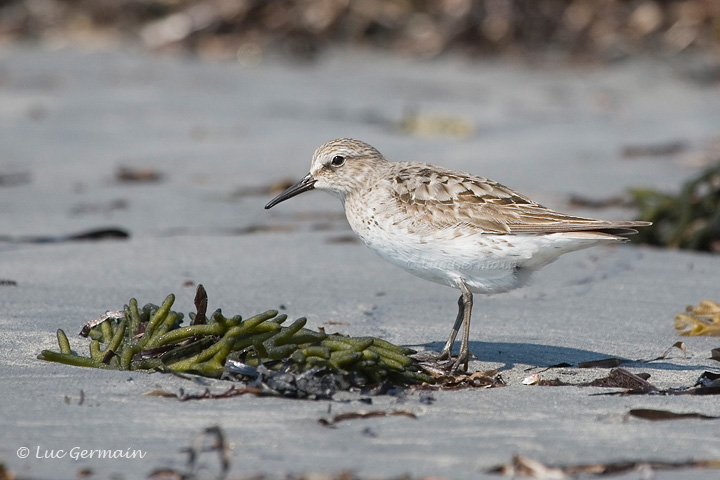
(583, 29)
(617, 92)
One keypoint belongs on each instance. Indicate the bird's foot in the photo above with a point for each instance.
(461, 362)
(446, 361)
(445, 355)
(432, 357)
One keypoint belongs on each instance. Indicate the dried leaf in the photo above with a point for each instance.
(556, 382)
(457, 381)
(525, 467)
(678, 345)
(708, 379)
(704, 319)
(613, 362)
(355, 415)
(707, 308)
(201, 303)
(707, 384)
(602, 363)
(621, 378)
(159, 393)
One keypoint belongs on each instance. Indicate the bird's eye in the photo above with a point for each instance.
(337, 161)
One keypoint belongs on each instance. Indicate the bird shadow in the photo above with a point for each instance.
(544, 356)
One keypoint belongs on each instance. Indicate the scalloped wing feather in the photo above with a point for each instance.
(445, 199)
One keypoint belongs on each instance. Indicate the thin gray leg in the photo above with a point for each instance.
(464, 354)
(446, 352)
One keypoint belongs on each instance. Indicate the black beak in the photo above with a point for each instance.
(307, 183)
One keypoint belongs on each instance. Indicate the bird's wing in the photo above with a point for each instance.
(441, 198)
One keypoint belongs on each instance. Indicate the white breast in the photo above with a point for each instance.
(487, 263)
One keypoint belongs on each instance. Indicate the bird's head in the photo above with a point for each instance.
(340, 167)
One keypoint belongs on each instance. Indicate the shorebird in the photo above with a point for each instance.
(452, 228)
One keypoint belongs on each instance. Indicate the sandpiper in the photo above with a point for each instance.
(452, 228)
